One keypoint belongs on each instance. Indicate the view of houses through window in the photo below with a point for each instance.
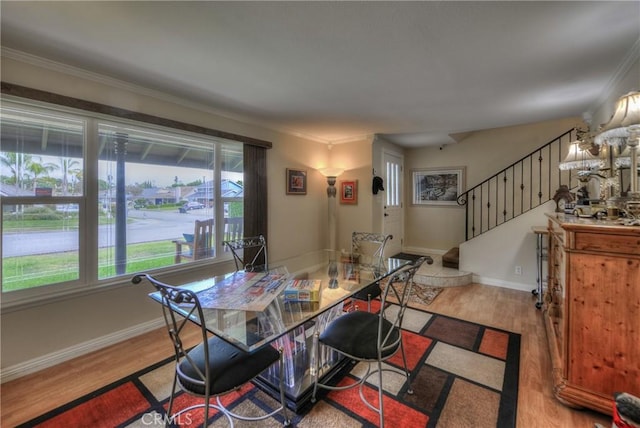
(84, 199)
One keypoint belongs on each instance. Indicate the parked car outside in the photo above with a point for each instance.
(193, 206)
(68, 208)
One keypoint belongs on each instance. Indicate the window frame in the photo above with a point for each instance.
(88, 281)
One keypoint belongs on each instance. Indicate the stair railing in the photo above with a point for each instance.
(522, 186)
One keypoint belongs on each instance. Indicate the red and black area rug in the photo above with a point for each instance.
(464, 375)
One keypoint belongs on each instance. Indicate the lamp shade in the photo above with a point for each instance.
(579, 158)
(625, 115)
(623, 160)
(331, 172)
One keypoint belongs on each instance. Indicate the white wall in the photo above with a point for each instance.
(300, 219)
(492, 256)
(355, 157)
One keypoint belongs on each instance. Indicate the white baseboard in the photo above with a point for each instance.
(423, 251)
(49, 360)
(500, 283)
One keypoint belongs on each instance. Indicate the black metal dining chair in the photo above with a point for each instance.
(214, 367)
(372, 338)
(249, 253)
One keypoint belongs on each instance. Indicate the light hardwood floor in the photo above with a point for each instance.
(32, 395)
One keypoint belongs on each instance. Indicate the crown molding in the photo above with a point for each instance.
(141, 90)
(351, 139)
(623, 68)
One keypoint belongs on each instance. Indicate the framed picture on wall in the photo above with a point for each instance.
(438, 186)
(349, 192)
(296, 181)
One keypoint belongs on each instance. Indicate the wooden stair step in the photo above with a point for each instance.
(451, 258)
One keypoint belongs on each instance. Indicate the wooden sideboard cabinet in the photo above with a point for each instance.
(592, 310)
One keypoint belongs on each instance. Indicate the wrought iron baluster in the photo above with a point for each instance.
(546, 159)
(504, 204)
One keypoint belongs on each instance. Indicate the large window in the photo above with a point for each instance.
(85, 199)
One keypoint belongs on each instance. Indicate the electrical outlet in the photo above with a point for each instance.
(518, 270)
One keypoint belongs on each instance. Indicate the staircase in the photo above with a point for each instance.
(518, 188)
(451, 258)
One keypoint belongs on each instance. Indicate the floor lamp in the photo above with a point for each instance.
(331, 174)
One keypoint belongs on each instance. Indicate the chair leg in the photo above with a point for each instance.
(206, 410)
(380, 394)
(406, 369)
(173, 391)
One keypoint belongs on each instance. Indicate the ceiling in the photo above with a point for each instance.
(420, 73)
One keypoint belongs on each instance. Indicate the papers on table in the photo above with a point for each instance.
(246, 291)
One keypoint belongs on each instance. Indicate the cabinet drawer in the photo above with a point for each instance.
(608, 243)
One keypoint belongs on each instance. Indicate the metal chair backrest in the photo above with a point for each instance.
(369, 248)
(399, 286)
(175, 323)
(249, 254)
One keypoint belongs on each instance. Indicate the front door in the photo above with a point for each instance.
(393, 214)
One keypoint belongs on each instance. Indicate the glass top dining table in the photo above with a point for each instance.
(250, 310)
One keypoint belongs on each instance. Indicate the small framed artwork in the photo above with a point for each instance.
(296, 181)
(349, 192)
(438, 186)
